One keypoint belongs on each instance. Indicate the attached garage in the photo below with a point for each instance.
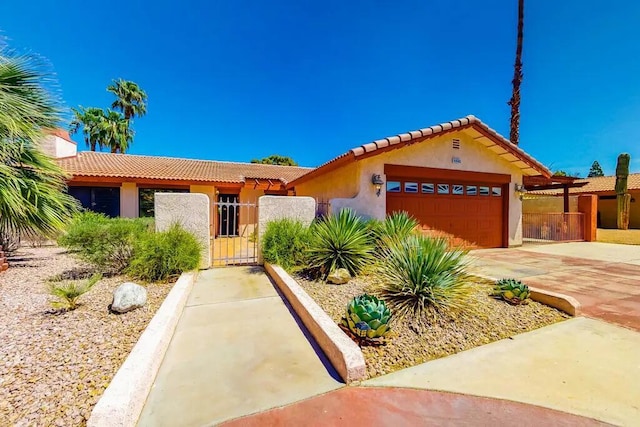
(467, 206)
(460, 179)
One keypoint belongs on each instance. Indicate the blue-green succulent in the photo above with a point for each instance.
(367, 317)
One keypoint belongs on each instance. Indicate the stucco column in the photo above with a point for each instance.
(588, 205)
(210, 191)
(129, 200)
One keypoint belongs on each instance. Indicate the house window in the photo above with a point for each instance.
(472, 190)
(457, 189)
(428, 188)
(104, 200)
(496, 191)
(393, 187)
(410, 187)
(443, 188)
(146, 199)
(484, 191)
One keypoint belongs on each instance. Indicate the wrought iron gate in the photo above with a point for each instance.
(235, 240)
(558, 227)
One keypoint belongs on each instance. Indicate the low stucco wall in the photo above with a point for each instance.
(191, 211)
(271, 208)
(608, 211)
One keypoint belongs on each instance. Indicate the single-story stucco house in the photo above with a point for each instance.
(603, 187)
(460, 178)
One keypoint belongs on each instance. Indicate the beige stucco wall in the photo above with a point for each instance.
(548, 204)
(210, 191)
(57, 147)
(129, 200)
(436, 153)
(191, 211)
(343, 182)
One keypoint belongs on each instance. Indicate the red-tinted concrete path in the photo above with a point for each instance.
(606, 288)
(357, 406)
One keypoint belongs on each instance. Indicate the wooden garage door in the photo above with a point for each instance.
(471, 211)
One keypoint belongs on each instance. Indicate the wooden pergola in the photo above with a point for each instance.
(539, 182)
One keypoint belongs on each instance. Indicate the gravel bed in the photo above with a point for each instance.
(54, 366)
(487, 320)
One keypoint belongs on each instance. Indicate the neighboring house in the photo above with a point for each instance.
(460, 178)
(603, 187)
(124, 184)
(457, 177)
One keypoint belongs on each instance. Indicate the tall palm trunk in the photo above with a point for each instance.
(514, 102)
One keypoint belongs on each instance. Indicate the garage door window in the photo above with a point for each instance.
(484, 191)
(472, 190)
(457, 189)
(393, 186)
(496, 191)
(427, 188)
(410, 187)
(443, 188)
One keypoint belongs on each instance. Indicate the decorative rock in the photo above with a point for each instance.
(128, 296)
(339, 277)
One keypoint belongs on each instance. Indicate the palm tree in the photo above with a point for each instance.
(130, 98)
(514, 102)
(89, 119)
(32, 186)
(115, 132)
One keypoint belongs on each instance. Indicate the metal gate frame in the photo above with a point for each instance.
(237, 242)
(555, 227)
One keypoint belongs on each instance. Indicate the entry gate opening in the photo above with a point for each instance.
(235, 240)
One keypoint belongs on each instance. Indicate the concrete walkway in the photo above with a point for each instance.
(237, 350)
(581, 366)
(603, 277)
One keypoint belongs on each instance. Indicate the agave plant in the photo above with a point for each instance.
(340, 241)
(367, 317)
(423, 274)
(512, 290)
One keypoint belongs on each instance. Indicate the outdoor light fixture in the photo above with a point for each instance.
(519, 190)
(377, 182)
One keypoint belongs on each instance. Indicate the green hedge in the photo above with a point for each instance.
(285, 243)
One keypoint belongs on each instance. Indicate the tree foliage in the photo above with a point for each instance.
(595, 170)
(276, 159)
(32, 186)
(111, 128)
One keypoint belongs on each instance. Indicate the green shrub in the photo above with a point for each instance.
(285, 243)
(66, 294)
(340, 241)
(162, 256)
(107, 243)
(420, 275)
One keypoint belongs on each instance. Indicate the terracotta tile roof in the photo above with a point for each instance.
(401, 140)
(95, 164)
(596, 185)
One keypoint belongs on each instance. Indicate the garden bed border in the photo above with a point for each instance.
(122, 402)
(344, 354)
(562, 302)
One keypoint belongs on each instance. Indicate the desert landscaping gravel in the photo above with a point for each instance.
(54, 366)
(486, 321)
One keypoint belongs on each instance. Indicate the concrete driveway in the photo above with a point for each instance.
(603, 277)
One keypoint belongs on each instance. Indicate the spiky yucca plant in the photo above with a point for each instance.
(66, 294)
(420, 275)
(340, 241)
(395, 228)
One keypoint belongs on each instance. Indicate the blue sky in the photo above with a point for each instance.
(234, 80)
